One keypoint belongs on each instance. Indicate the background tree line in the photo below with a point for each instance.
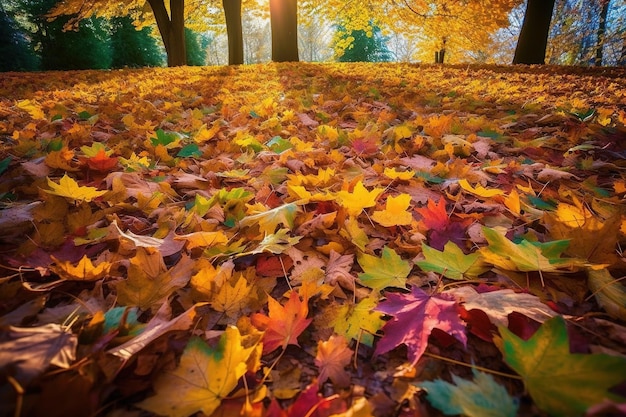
(119, 33)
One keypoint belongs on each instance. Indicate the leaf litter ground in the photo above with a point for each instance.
(313, 239)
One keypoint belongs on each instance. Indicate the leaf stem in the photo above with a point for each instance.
(480, 368)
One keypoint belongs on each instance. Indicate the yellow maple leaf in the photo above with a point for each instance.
(512, 202)
(395, 212)
(479, 190)
(203, 239)
(69, 188)
(204, 133)
(358, 199)
(400, 175)
(83, 271)
(61, 159)
(32, 108)
(232, 299)
(205, 375)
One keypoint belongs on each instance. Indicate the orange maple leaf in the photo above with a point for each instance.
(283, 324)
(434, 215)
(332, 357)
(102, 162)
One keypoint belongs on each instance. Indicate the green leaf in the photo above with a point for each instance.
(525, 256)
(452, 262)
(165, 138)
(278, 144)
(191, 150)
(387, 271)
(483, 397)
(561, 383)
(359, 321)
(4, 164)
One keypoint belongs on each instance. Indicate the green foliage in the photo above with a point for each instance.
(483, 397)
(15, 48)
(87, 47)
(196, 45)
(132, 47)
(370, 46)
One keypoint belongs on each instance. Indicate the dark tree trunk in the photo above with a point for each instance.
(284, 23)
(232, 12)
(533, 39)
(604, 13)
(172, 29)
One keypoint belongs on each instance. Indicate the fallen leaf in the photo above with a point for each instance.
(500, 303)
(561, 383)
(452, 262)
(29, 351)
(414, 317)
(85, 270)
(69, 188)
(333, 355)
(395, 212)
(482, 397)
(390, 270)
(205, 375)
(283, 324)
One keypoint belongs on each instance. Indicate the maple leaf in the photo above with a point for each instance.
(441, 228)
(203, 239)
(525, 256)
(482, 397)
(232, 299)
(83, 271)
(354, 202)
(434, 215)
(395, 212)
(33, 108)
(561, 383)
(333, 355)
(283, 324)
(275, 243)
(591, 237)
(500, 303)
(101, 161)
(149, 282)
(69, 188)
(359, 321)
(479, 190)
(414, 316)
(390, 270)
(400, 175)
(269, 220)
(205, 375)
(452, 262)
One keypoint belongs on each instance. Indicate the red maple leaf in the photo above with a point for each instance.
(434, 215)
(415, 315)
(442, 228)
(283, 324)
(102, 162)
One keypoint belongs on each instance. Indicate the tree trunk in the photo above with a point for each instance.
(284, 24)
(533, 39)
(232, 12)
(604, 13)
(172, 29)
(622, 57)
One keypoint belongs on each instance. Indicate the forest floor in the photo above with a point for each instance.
(313, 240)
